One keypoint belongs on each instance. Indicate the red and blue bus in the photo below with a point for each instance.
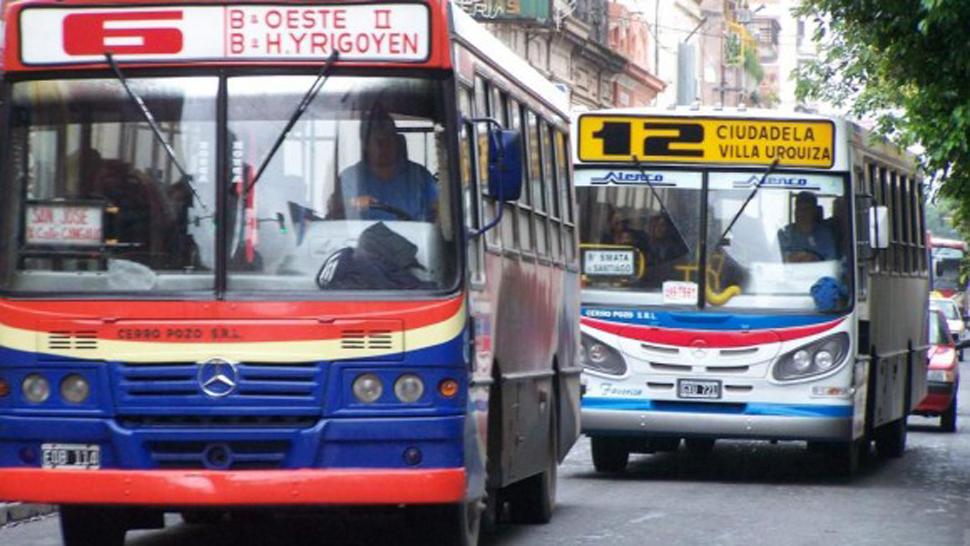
(289, 254)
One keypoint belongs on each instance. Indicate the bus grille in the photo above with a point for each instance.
(167, 383)
(234, 455)
(217, 421)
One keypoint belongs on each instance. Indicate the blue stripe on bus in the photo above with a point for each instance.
(777, 410)
(696, 320)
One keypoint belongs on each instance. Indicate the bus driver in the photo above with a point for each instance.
(807, 239)
(385, 185)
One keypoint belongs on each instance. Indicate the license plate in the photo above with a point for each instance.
(77, 456)
(693, 388)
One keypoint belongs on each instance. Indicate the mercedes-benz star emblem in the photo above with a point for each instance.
(218, 377)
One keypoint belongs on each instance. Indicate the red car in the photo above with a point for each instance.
(944, 374)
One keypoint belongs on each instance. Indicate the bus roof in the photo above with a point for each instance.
(503, 59)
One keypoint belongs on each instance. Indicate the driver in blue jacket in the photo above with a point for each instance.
(385, 184)
(807, 239)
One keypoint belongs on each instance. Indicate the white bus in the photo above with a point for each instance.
(809, 322)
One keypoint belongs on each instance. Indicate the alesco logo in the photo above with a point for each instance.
(218, 377)
(776, 181)
(614, 177)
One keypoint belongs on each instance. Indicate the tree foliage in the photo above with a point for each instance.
(906, 64)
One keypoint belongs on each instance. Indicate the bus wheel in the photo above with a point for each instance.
(891, 439)
(449, 525)
(948, 421)
(610, 455)
(533, 499)
(699, 446)
(847, 457)
(92, 526)
(202, 517)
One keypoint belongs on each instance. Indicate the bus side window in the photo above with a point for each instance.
(469, 185)
(525, 203)
(555, 223)
(921, 214)
(483, 109)
(885, 259)
(537, 183)
(563, 157)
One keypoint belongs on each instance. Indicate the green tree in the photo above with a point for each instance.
(906, 64)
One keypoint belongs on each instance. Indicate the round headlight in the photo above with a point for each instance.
(801, 361)
(598, 353)
(408, 388)
(75, 389)
(824, 360)
(36, 388)
(368, 388)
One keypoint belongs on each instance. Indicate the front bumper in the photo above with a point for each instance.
(234, 488)
(939, 397)
(832, 423)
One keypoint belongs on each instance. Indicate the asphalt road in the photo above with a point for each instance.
(744, 493)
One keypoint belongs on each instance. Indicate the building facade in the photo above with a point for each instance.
(569, 42)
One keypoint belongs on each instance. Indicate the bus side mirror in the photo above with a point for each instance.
(938, 268)
(505, 164)
(879, 227)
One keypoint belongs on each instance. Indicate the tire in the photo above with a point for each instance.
(948, 420)
(610, 455)
(448, 525)
(532, 500)
(846, 456)
(699, 446)
(92, 526)
(891, 439)
(202, 517)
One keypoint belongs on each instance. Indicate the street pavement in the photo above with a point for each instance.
(744, 493)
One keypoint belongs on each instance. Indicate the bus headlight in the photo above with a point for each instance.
(801, 361)
(75, 389)
(600, 357)
(408, 388)
(368, 388)
(36, 388)
(813, 359)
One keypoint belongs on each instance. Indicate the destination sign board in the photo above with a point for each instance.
(698, 140)
(241, 31)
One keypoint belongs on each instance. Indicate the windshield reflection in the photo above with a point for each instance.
(787, 250)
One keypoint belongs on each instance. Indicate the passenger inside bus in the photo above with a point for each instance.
(663, 242)
(808, 238)
(385, 184)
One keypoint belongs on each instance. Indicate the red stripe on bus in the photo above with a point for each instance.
(709, 338)
(228, 488)
(251, 321)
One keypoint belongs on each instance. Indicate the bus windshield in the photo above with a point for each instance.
(787, 250)
(947, 275)
(356, 198)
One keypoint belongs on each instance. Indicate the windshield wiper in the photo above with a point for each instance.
(764, 176)
(302, 107)
(663, 208)
(156, 130)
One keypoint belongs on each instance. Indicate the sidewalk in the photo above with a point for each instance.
(16, 511)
